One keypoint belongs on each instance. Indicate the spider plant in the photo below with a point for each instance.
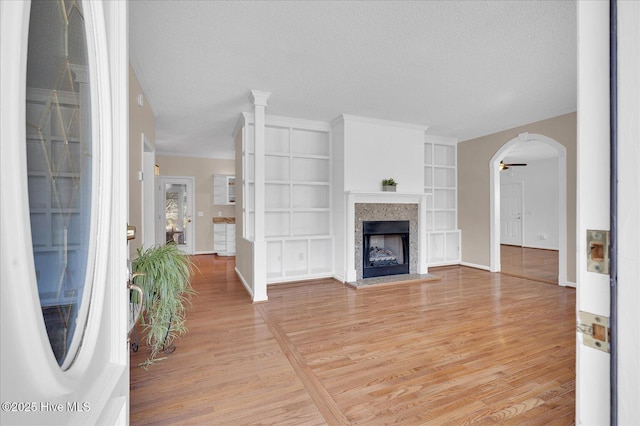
(165, 281)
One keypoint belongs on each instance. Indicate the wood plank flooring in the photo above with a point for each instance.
(525, 262)
(473, 348)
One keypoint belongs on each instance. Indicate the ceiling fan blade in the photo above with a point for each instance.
(505, 166)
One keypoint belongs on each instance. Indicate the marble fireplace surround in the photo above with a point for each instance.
(366, 206)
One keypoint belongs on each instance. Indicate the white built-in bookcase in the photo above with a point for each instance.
(297, 197)
(440, 180)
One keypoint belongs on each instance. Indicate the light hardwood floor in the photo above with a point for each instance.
(474, 347)
(525, 262)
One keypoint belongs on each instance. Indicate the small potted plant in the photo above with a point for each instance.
(389, 185)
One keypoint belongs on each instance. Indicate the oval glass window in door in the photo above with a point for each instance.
(60, 161)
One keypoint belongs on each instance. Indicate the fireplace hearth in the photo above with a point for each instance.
(385, 248)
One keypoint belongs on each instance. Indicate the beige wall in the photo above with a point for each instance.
(473, 186)
(202, 169)
(141, 120)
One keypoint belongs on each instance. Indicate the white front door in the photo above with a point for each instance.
(63, 118)
(511, 214)
(175, 211)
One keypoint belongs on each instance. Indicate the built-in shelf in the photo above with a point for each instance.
(440, 171)
(224, 236)
(297, 189)
(224, 189)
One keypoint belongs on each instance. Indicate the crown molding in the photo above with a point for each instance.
(347, 118)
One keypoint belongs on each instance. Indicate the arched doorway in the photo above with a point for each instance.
(494, 167)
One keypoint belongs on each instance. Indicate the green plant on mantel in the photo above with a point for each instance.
(165, 279)
(389, 182)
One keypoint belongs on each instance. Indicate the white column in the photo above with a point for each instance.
(259, 100)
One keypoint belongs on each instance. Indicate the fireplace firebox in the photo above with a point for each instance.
(385, 248)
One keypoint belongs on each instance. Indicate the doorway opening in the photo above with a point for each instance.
(175, 205)
(495, 196)
(148, 194)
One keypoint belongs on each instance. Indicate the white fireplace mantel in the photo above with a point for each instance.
(355, 197)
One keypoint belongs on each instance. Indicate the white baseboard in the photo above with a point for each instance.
(283, 280)
(205, 252)
(476, 266)
(246, 285)
(570, 284)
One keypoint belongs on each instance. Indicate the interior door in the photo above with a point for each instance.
(176, 211)
(63, 213)
(511, 214)
(593, 388)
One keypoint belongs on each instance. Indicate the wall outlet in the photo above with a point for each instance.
(200, 214)
(300, 256)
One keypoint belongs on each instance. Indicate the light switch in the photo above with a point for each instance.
(200, 214)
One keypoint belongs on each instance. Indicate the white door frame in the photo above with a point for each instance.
(29, 371)
(494, 182)
(148, 193)
(189, 181)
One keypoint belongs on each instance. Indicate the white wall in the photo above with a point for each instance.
(377, 149)
(540, 199)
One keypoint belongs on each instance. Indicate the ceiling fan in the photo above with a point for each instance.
(506, 166)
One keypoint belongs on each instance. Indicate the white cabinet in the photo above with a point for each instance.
(440, 172)
(296, 258)
(224, 237)
(443, 248)
(224, 189)
(297, 185)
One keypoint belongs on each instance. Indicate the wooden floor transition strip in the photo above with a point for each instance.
(319, 394)
(541, 280)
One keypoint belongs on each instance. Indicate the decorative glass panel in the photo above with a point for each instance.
(59, 158)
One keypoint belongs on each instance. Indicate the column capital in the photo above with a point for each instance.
(259, 98)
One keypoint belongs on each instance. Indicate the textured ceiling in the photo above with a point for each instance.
(463, 68)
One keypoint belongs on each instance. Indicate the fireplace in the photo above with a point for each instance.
(385, 248)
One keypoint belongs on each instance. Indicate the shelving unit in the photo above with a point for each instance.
(297, 198)
(440, 170)
(224, 237)
(224, 189)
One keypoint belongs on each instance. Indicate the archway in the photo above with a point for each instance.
(494, 182)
